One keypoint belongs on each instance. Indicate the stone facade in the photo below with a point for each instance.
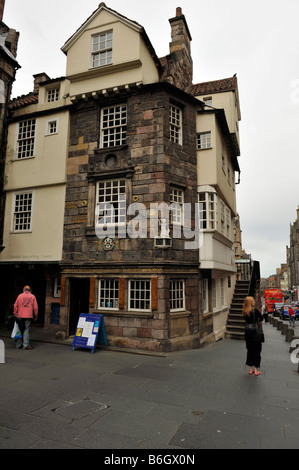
(293, 254)
(151, 166)
(132, 136)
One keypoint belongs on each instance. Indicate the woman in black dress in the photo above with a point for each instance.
(252, 316)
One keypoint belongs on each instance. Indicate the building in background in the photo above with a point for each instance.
(293, 255)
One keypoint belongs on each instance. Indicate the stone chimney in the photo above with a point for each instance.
(39, 78)
(180, 33)
(2, 3)
(178, 69)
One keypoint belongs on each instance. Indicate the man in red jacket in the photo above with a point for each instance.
(291, 316)
(26, 308)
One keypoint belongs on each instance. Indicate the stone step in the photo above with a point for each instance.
(235, 325)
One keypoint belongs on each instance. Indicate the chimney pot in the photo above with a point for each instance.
(39, 78)
(178, 11)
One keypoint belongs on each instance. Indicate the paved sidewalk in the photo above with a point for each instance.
(56, 398)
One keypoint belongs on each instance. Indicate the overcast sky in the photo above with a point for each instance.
(258, 40)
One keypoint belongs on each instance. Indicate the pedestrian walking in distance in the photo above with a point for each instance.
(25, 307)
(291, 317)
(252, 317)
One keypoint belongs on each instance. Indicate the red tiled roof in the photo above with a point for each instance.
(216, 86)
(24, 100)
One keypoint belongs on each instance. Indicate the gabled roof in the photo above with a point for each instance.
(130, 23)
(102, 6)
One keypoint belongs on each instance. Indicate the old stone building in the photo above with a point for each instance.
(8, 67)
(293, 255)
(147, 164)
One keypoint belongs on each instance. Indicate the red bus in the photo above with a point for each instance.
(272, 295)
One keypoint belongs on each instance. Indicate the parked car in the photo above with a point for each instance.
(277, 308)
(296, 310)
(284, 312)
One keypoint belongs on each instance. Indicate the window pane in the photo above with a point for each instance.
(108, 294)
(111, 202)
(175, 124)
(101, 49)
(204, 140)
(114, 126)
(140, 295)
(177, 295)
(26, 137)
(23, 212)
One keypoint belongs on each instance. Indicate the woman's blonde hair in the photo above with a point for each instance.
(247, 306)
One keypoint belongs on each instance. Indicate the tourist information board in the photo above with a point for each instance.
(90, 331)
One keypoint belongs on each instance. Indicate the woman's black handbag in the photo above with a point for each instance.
(258, 335)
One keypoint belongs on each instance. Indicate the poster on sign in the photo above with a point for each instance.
(90, 331)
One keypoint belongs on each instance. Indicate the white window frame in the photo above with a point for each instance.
(140, 295)
(113, 132)
(28, 214)
(204, 140)
(228, 223)
(175, 124)
(177, 199)
(49, 126)
(207, 210)
(53, 94)
(101, 49)
(208, 100)
(111, 197)
(222, 291)
(205, 295)
(108, 296)
(214, 293)
(177, 299)
(222, 215)
(26, 134)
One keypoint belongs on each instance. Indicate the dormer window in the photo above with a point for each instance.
(101, 49)
(53, 95)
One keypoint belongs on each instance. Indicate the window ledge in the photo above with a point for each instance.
(180, 314)
(124, 313)
(22, 159)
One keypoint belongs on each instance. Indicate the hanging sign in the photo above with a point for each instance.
(90, 331)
